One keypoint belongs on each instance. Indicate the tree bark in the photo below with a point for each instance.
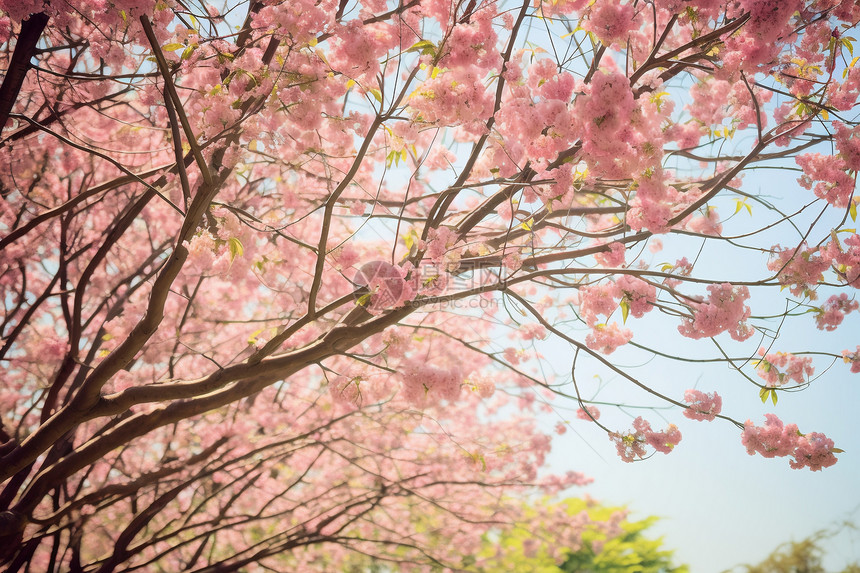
(31, 31)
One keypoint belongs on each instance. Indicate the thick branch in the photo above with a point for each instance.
(25, 48)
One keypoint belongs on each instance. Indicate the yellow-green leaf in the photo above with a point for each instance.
(363, 300)
(172, 47)
(625, 309)
(236, 248)
(426, 47)
(253, 338)
(852, 210)
(376, 94)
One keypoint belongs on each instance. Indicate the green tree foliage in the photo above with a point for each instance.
(611, 543)
(802, 556)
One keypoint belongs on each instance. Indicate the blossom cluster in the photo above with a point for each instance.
(852, 358)
(723, 311)
(425, 384)
(778, 368)
(703, 406)
(800, 268)
(632, 445)
(832, 313)
(775, 439)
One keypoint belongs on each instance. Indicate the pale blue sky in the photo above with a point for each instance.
(719, 506)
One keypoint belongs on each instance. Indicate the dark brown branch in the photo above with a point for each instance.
(25, 48)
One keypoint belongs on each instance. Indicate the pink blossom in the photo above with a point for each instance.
(456, 97)
(832, 313)
(852, 358)
(5, 29)
(606, 338)
(512, 355)
(598, 299)
(771, 440)
(843, 96)
(532, 332)
(687, 135)
(723, 311)
(631, 446)
(774, 439)
(425, 384)
(846, 258)
(708, 224)
(826, 176)
(610, 21)
(663, 441)
(386, 284)
(588, 413)
(346, 391)
(703, 407)
(614, 257)
(800, 268)
(815, 451)
(768, 18)
(781, 367)
(639, 295)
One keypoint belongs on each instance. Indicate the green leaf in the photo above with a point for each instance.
(742, 204)
(172, 47)
(763, 394)
(773, 397)
(236, 248)
(426, 47)
(186, 53)
(625, 309)
(253, 338)
(363, 299)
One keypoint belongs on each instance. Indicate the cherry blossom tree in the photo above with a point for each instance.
(276, 275)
